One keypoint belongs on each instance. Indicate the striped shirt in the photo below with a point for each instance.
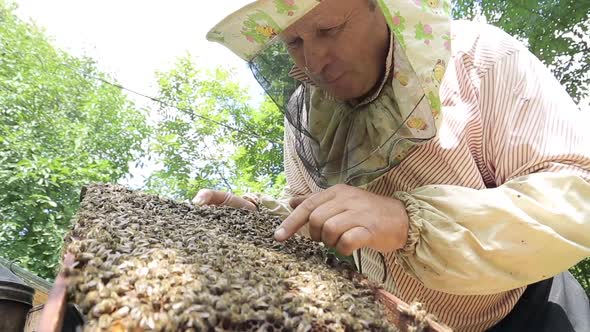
(504, 116)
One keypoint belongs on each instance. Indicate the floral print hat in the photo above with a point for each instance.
(376, 136)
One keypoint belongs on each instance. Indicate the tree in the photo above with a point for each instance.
(211, 136)
(556, 31)
(59, 129)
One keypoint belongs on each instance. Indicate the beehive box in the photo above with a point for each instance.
(145, 263)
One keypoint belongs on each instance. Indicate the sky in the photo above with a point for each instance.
(131, 39)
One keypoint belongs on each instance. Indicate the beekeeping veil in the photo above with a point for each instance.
(338, 142)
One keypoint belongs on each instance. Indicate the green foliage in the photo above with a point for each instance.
(215, 139)
(556, 31)
(59, 129)
(582, 272)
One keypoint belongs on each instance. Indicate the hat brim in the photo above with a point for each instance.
(249, 30)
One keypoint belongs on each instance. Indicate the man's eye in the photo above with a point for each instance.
(330, 30)
(294, 43)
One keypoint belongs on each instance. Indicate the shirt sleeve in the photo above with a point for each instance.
(536, 222)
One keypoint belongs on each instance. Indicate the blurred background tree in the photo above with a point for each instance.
(556, 31)
(59, 129)
(214, 137)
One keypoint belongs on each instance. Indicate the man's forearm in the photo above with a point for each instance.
(471, 241)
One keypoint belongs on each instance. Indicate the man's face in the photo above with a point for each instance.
(342, 45)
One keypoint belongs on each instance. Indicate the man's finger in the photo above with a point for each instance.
(300, 216)
(238, 203)
(321, 214)
(211, 197)
(295, 201)
(222, 198)
(352, 240)
(336, 226)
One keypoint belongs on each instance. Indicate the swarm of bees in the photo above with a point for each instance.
(145, 263)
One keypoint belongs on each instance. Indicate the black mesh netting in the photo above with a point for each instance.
(359, 156)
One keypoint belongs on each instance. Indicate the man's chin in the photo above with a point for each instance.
(344, 94)
(340, 90)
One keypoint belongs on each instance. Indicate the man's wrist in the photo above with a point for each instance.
(414, 223)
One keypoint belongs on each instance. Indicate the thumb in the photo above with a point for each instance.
(222, 198)
(238, 203)
(209, 197)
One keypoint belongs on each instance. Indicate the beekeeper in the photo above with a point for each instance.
(446, 157)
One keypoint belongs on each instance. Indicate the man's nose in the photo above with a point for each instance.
(316, 56)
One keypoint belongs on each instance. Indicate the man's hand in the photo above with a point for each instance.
(348, 218)
(222, 198)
